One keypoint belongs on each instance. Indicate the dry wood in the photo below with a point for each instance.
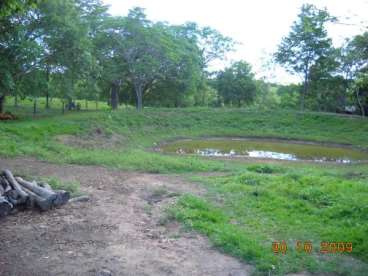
(2, 190)
(5, 183)
(22, 195)
(15, 192)
(42, 192)
(62, 197)
(5, 207)
(36, 200)
(45, 185)
(79, 199)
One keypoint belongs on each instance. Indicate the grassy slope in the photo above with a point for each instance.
(248, 209)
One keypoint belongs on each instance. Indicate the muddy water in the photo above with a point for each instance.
(262, 148)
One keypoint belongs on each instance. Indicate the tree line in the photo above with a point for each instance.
(334, 79)
(74, 49)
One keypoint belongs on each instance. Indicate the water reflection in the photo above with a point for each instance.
(270, 149)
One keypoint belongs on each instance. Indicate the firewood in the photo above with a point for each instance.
(32, 186)
(5, 183)
(2, 190)
(79, 199)
(62, 197)
(10, 178)
(45, 185)
(13, 197)
(5, 207)
(35, 200)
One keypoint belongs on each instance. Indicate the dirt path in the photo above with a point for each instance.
(118, 232)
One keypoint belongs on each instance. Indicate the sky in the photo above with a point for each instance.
(257, 25)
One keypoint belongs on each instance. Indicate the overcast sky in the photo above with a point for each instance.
(258, 25)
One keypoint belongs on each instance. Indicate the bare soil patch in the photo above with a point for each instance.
(96, 138)
(120, 231)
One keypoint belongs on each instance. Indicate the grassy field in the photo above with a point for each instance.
(25, 107)
(253, 204)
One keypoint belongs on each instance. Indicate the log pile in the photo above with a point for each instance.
(15, 192)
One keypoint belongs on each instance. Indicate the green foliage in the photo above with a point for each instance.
(306, 44)
(72, 186)
(267, 169)
(236, 84)
(289, 96)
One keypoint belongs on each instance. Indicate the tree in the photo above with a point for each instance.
(306, 43)
(9, 7)
(19, 51)
(236, 84)
(211, 45)
(354, 67)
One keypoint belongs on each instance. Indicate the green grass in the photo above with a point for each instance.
(140, 131)
(25, 107)
(255, 203)
(73, 187)
(245, 212)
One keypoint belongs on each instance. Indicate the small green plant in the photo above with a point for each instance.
(267, 169)
(73, 187)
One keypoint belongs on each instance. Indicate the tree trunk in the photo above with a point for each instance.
(139, 93)
(34, 106)
(114, 95)
(2, 101)
(47, 88)
(86, 104)
(361, 107)
(16, 100)
(63, 107)
(47, 100)
(70, 103)
(302, 96)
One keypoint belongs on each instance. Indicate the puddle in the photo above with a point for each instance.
(270, 149)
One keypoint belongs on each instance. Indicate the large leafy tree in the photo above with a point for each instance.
(9, 7)
(19, 51)
(62, 34)
(305, 45)
(355, 67)
(212, 46)
(236, 84)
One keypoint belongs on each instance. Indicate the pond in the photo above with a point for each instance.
(267, 149)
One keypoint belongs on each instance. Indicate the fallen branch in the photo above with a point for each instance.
(79, 199)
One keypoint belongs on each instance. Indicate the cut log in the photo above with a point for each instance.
(13, 197)
(45, 185)
(5, 207)
(9, 176)
(5, 183)
(62, 197)
(79, 199)
(32, 186)
(43, 204)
